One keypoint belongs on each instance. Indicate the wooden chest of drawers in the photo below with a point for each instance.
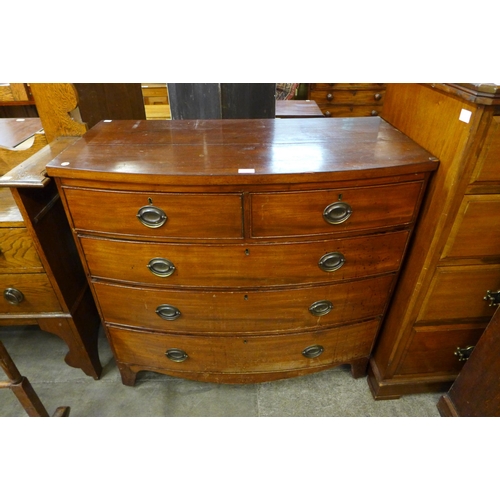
(439, 306)
(348, 99)
(242, 250)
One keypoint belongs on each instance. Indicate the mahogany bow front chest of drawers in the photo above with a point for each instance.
(242, 250)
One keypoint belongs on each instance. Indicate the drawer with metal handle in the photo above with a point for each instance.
(27, 293)
(172, 264)
(241, 353)
(256, 311)
(156, 215)
(334, 211)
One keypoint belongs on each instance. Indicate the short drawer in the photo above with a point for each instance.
(256, 311)
(476, 232)
(17, 252)
(156, 215)
(457, 293)
(432, 349)
(356, 97)
(245, 265)
(245, 353)
(27, 293)
(334, 211)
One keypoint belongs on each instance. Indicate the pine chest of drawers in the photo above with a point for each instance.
(242, 250)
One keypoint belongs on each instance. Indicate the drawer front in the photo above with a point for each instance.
(488, 165)
(245, 311)
(193, 216)
(17, 252)
(476, 232)
(343, 97)
(348, 86)
(244, 354)
(336, 110)
(432, 350)
(457, 293)
(334, 211)
(246, 265)
(36, 294)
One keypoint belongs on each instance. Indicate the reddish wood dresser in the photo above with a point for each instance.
(242, 250)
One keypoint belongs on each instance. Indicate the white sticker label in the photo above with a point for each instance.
(246, 170)
(465, 115)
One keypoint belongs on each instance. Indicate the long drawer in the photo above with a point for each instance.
(254, 311)
(33, 293)
(245, 265)
(17, 252)
(187, 216)
(334, 211)
(243, 354)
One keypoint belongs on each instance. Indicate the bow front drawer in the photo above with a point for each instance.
(156, 215)
(243, 354)
(245, 265)
(334, 211)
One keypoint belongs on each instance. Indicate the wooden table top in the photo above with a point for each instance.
(204, 152)
(297, 109)
(14, 131)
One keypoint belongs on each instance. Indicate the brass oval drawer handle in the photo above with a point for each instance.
(313, 351)
(13, 296)
(320, 308)
(168, 312)
(176, 355)
(337, 212)
(152, 216)
(161, 267)
(331, 261)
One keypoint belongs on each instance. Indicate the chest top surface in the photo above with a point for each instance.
(240, 151)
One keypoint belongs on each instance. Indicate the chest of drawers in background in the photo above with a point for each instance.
(348, 99)
(242, 250)
(448, 291)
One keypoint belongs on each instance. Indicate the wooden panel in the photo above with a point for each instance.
(488, 165)
(290, 214)
(189, 216)
(55, 102)
(14, 131)
(431, 350)
(476, 232)
(476, 392)
(244, 354)
(245, 265)
(17, 253)
(457, 293)
(192, 101)
(243, 311)
(110, 101)
(37, 291)
(248, 100)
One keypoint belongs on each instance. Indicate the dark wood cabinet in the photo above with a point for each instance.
(242, 250)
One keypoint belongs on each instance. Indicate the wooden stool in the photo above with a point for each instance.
(23, 390)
